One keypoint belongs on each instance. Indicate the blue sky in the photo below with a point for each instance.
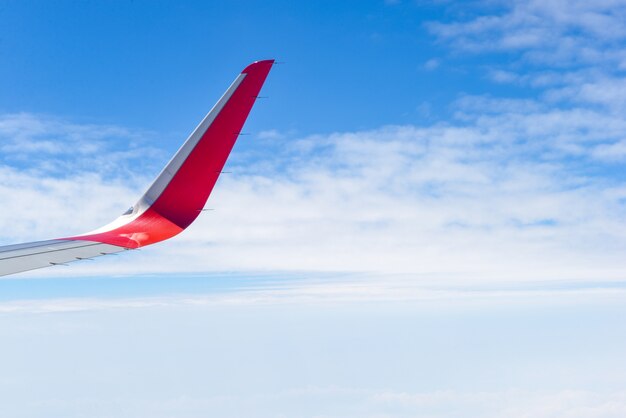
(427, 218)
(128, 62)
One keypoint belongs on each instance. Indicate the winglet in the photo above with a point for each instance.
(177, 195)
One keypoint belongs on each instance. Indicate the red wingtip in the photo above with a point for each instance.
(263, 65)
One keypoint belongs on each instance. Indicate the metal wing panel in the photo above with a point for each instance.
(35, 255)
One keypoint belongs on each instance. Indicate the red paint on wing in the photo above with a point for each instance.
(189, 190)
(186, 194)
(148, 228)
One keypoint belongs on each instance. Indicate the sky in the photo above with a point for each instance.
(427, 218)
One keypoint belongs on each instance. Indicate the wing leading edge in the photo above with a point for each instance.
(175, 198)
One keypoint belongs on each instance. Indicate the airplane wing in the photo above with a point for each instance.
(175, 198)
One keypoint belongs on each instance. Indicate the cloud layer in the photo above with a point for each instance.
(511, 190)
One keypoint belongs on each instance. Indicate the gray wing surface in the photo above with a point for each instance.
(34, 255)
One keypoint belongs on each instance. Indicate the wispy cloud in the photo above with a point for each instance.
(512, 403)
(57, 146)
(510, 191)
(572, 51)
(551, 31)
(59, 177)
(432, 64)
(327, 291)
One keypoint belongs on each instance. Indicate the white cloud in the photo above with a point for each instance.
(59, 178)
(58, 147)
(372, 404)
(330, 290)
(571, 50)
(271, 134)
(513, 403)
(502, 76)
(572, 30)
(432, 64)
(502, 195)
